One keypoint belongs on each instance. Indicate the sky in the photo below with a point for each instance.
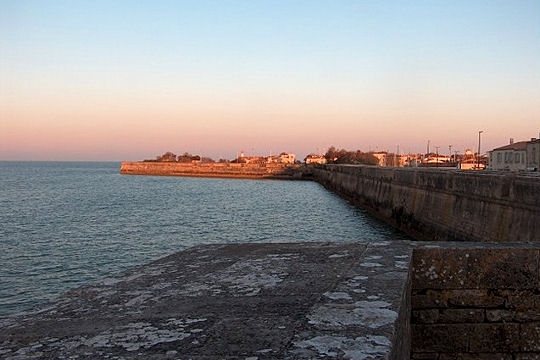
(130, 80)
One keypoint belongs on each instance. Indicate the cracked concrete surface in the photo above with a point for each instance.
(245, 301)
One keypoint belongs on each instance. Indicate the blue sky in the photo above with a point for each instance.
(129, 80)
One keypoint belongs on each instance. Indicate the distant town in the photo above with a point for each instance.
(514, 156)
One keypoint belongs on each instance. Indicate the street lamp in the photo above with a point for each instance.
(478, 156)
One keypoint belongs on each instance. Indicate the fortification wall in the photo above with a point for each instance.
(478, 301)
(443, 205)
(222, 170)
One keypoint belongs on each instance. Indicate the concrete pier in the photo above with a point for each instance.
(251, 301)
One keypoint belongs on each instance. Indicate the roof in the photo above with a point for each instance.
(518, 146)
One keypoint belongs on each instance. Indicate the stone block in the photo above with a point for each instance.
(481, 298)
(478, 268)
(429, 299)
(503, 268)
(499, 315)
(425, 356)
(494, 338)
(438, 268)
(503, 315)
(527, 356)
(530, 337)
(462, 316)
(429, 316)
(521, 299)
(443, 338)
(476, 356)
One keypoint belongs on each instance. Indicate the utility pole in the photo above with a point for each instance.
(478, 156)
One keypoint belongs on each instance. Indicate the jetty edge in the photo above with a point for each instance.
(232, 301)
(217, 170)
(384, 300)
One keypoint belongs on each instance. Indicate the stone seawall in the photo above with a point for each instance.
(476, 301)
(443, 205)
(219, 170)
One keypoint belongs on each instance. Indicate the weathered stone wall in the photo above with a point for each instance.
(232, 301)
(476, 303)
(225, 170)
(443, 205)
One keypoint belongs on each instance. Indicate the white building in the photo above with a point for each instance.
(512, 157)
(315, 159)
(285, 158)
(381, 157)
(533, 154)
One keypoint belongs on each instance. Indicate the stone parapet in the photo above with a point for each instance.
(476, 302)
(443, 205)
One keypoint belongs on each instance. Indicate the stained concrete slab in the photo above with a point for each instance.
(245, 301)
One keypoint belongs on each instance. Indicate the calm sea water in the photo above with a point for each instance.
(63, 224)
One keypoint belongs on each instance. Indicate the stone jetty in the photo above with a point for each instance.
(251, 301)
(378, 300)
(216, 170)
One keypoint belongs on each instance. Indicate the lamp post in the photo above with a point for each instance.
(478, 155)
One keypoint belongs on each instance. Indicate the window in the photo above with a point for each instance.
(517, 158)
(499, 158)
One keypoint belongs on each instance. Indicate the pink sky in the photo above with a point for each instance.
(132, 85)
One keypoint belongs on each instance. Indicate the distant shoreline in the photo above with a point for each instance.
(217, 170)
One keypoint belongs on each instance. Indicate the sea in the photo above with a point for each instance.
(66, 224)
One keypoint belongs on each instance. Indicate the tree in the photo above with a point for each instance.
(343, 156)
(168, 156)
(185, 158)
(331, 155)
(207, 160)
